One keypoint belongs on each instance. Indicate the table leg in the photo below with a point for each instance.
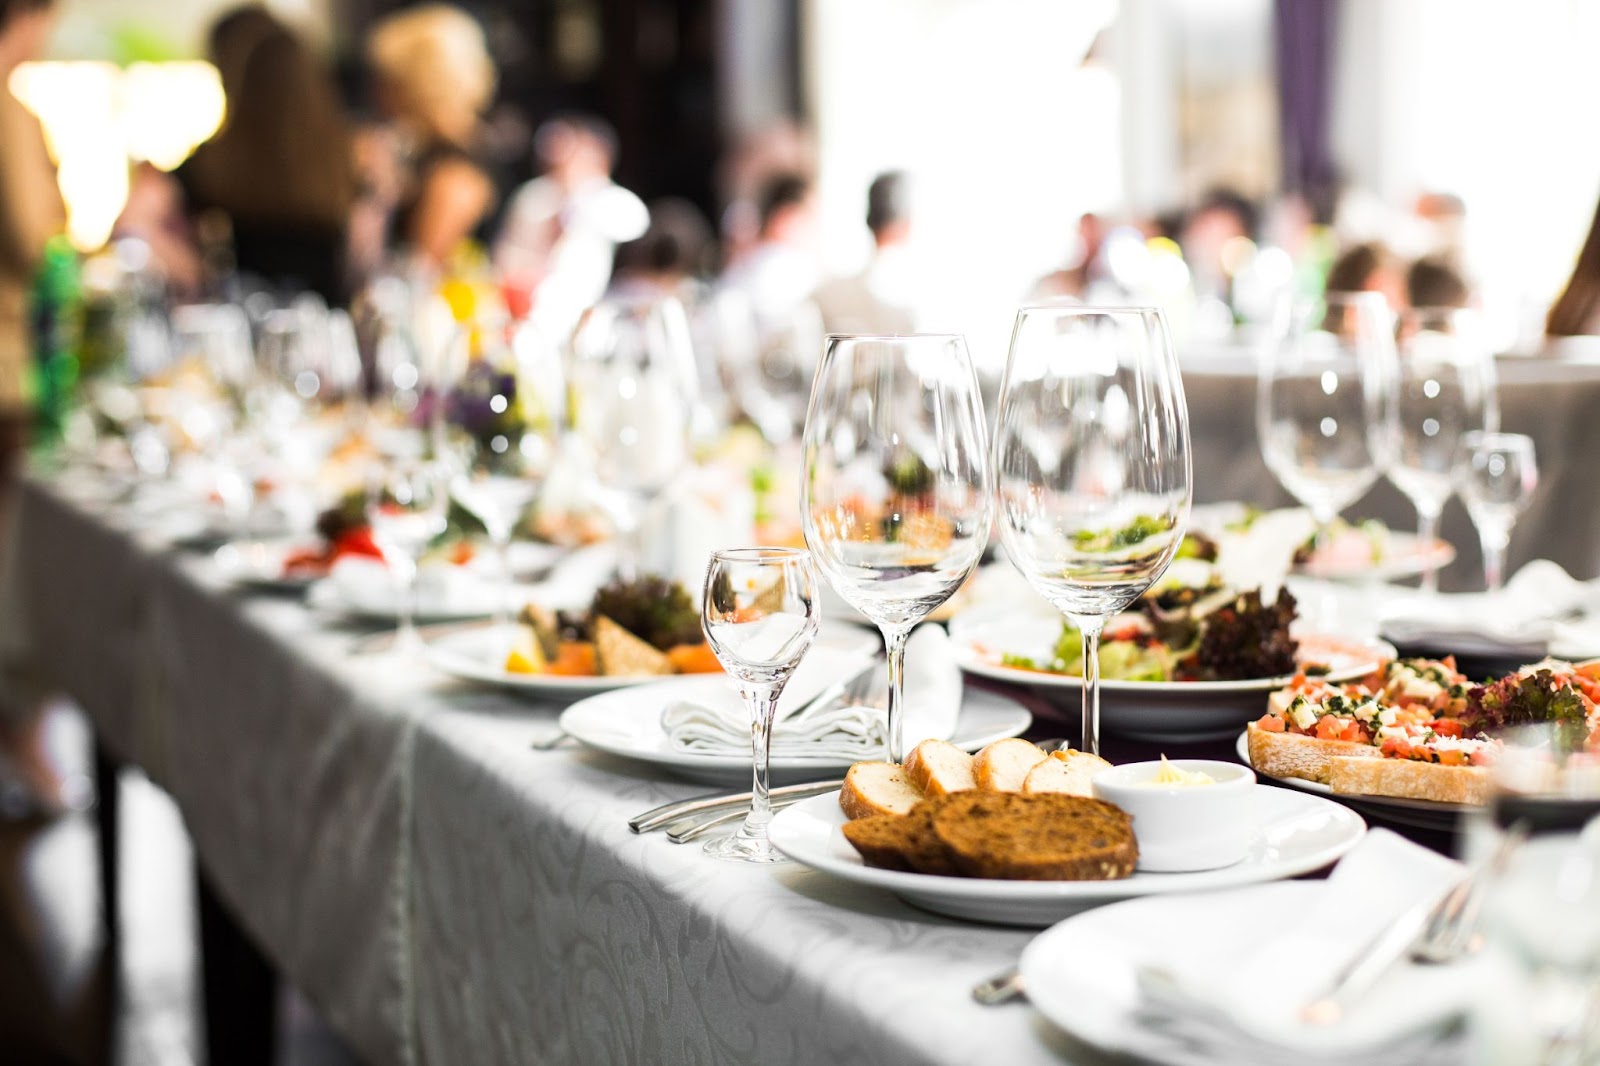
(241, 987)
(108, 803)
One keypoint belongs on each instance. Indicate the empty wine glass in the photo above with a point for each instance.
(759, 613)
(896, 488)
(1325, 401)
(1496, 474)
(633, 387)
(1092, 463)
(1445, 390)
(406, 510)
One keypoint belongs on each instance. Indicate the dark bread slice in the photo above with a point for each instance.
(1050, 837)
(901, 842)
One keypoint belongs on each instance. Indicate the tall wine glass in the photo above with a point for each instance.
(760, 616)
(1325, 401)
(1445, 390)
(633, 388)
(1497, 473)
(896, 489)
(1092, 463)
(406, 510)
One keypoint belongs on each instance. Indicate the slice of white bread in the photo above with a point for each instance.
(938, 768)
(1066, 772)
(1295, 755)
(877, 788)
(1003, 766)
(1409, 779)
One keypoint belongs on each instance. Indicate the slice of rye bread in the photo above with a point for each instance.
(1036, 838)
(1409, 779)
(1297, 755)
(892, 842)
(1003, 766)
(877, 788)
(939, 768)
(621, 654)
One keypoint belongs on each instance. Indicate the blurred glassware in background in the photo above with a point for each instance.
(1092, 465)
(633, 387)
(406, 509)
(1497, 474)
(896, 486)
(1325, 400)
(1445, 390)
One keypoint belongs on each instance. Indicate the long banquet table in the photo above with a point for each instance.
(442, 892)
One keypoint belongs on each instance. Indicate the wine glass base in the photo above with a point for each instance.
(741, 847)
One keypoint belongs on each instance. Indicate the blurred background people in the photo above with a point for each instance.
(881, 298)
(1576, 311)
(671, 258)
(778, 275)
(31, 213)
(1432, 282)
(1368, 267)
(562, 229)
(434, 78)
(1085, 264)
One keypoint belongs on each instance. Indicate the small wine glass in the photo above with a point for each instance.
(896, 487)
(1497, 474)
(1092, 461)
(1445, 390)
(759, 613)
(1325, 401)
(406, 510)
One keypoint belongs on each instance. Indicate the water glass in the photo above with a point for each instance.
(407, 510)
(1497, 474)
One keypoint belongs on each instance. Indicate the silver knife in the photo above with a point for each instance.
(657, 817)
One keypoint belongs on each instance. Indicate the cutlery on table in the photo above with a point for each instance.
(552, 741)
(382, 641)
(720, 802)
(1003, 987)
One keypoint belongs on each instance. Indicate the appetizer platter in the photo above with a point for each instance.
(1014, 835)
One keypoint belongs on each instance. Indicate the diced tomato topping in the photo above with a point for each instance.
(1330, 727)
(1452, 757)
(1449, 727)
(1481, 757)
(1270, 723)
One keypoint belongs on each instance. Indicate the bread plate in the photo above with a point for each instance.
(1176, 711)
(1394, 810)
(628, 723)
(1294, 834)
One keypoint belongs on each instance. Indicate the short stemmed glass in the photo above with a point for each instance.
(1092, 461)
(1325, 401)
(406, 510)
(1445, 390)
(1496, 474)
(760, 617)
(633, 388)
(896, 486)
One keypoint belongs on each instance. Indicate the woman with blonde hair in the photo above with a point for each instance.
(1576, 311)
(434, 79)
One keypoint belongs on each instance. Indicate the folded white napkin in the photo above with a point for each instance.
(718, 723)
(1524, 617)
(1243, 1006)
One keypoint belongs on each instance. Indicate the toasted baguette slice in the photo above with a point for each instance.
(542, 621)
(1003, 766)
(877, 788)
(1065, 772)
(938, 768)
(893, 842)
(1036, 838)
(1294, 755)
(619, 653)
(1409, 779)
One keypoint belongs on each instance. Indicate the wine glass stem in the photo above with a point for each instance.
(501, 539)
(406, 638)
(1494, 541)
(1427, 533)
(894, 641)
(762, 700)
(1090, 627)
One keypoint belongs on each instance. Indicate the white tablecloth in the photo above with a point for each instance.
(447, 895)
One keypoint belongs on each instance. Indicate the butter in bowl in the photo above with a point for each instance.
(1188, 814)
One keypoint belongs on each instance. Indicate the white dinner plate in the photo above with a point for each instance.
(1179, 711)
(1295, 834)
(258, 564)
(1402, 555)
(1395, 810)
(628, 723)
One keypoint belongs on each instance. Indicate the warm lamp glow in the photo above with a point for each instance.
(96, 117)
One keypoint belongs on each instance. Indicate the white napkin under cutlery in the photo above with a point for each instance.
(1527, 616)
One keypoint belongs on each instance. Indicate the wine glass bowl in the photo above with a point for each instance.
(1092, 464)
(759, 613)
(1325, 401)
(406, 510)
(1497, 474)
(896, 488)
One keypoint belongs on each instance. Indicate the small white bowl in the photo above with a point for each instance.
(1183, 828)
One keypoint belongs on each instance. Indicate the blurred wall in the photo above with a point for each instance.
(122, 30)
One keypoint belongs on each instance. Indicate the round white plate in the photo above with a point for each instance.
(1403, 555)
(628, 723)
(1180, 711)
(258, 564)
(1396, 810)
(1295, 834)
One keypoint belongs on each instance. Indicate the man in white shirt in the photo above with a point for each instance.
(881, 298)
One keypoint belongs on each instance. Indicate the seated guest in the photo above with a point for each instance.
(562, 229)
(1576, 311)
(671, 257)
(1368, 267)
(778, 275)
(1432, 282)
(882, 297)
(1073, 282)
